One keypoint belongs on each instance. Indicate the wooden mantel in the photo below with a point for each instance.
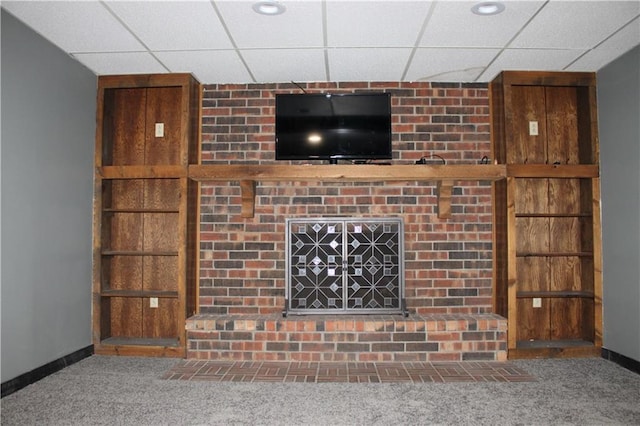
(443, 175)
(249, 174)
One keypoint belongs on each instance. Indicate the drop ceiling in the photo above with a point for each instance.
(329, 40)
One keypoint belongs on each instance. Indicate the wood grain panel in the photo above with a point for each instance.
(161, 322)
(497, 113)
(161, 232)
(566, 318)
(128, 128)
(124, 272)
(104, 313)
(126, 316)
(533, 323)
(590, 325)
(565, 196)
(588, 125)
(164, 105)
(125, 194)
(522, 147)
(533, 273)
(588, 275)
(532, 196)
(500, 257)
(566, 273)
(562, 125)
(162, 194)
(192, 208)
(533, 235)
(125, 230)
(160, 273)
(346, 172)
(565, 235)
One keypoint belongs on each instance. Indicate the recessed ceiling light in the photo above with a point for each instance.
(488, 8)
(269, 8)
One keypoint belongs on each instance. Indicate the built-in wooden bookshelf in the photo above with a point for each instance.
(547, 232)
(145, 218)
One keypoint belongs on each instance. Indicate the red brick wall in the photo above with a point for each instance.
(447, 261)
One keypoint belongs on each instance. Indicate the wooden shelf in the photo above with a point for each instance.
(560, 171)
(562, 343)
(138, 253)
(563, 348)
(249, 174)
(554, 294)
(345, 172)
(141, 172)
(545, 215)
(555, 254)
(139, 293)
(141, 210)
(133, 346)
(140, 341)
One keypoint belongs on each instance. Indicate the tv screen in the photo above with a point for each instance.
(355, 126)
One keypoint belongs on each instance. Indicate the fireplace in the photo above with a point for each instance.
(344, 266)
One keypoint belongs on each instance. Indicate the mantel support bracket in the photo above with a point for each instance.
(444, 188)
(248, 190)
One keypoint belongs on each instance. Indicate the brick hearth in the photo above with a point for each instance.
(365, 338)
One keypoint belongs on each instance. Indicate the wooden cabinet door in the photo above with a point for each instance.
(143, 126)
(163, 126)
(125, 128)
(552, 113)
(561, 108)
(527, 106)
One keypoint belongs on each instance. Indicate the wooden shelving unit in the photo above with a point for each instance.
(444, 175)
(547, 243)
(145, 220)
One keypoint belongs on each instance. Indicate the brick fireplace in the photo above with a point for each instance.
(448, 271)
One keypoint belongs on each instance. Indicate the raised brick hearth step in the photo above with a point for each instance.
(347, 337)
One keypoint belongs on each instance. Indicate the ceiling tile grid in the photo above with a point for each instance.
(226, 41)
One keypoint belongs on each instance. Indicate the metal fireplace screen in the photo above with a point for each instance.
(345, 266)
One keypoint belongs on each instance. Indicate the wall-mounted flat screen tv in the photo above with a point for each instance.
(354, 126)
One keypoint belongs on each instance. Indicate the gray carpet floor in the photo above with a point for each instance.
(129, 391)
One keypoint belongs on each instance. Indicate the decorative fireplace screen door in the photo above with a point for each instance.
(345, 265)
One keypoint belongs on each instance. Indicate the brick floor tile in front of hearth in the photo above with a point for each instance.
(348, 372)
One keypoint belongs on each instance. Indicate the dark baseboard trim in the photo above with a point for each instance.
(24, 380)
(624, 361)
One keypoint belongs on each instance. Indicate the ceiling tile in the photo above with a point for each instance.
(453, 24)
(209, 66)
(285, 65)
(75, 26)
(299, 26)
(576, 25)
(367, 64)
(172, 25)
(315, 40)
(531, 59)
(462, 65)
(376, 23)
(617, 45)
(120, 63)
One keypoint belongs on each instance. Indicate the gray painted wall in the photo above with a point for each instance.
(48, 132)
(619, 121)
